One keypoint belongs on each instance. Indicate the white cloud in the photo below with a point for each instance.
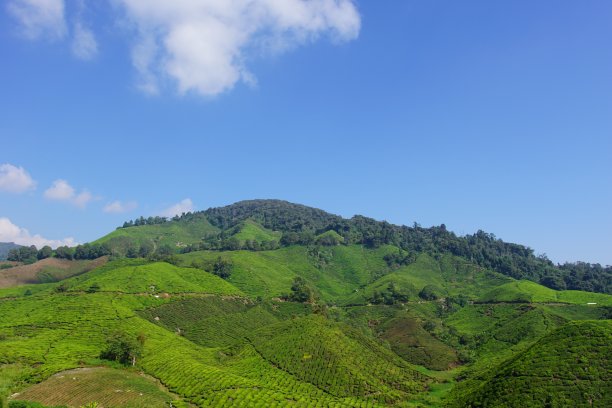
(61, 190)
(202, 45)
(177, 209)
(81, 199)
(117, 207)
(39, 18)
(84, 44)
(15, 179)
(10, 232)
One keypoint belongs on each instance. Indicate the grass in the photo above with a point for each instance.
(108, 386)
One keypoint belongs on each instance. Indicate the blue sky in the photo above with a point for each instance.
(476, 114)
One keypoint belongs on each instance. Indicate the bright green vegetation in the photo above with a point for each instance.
(136, 276)
(526, 291)
(329, 238)
(267, 304)
(252, 231)
(175, 234)
(341, 362)
(569, 367)
(218, 322)
(335, 272)
(107, 386)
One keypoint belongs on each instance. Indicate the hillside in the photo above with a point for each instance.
(267, 303)
(46, 271)
(299, 224)
(569, 367)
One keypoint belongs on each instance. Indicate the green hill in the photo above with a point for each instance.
(249, 230)
(341, 362)
(204, 310)
(137, 276)
(569, 367)
(526, 291)
(174, 234)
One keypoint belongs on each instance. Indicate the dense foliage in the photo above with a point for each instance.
(123, 348)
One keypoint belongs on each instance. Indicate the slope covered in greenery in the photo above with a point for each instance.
(341, 362)
(173, 234)
(267, 303)
(299, 224)
(569, 367)
(109, 387)
(138, 276)
(46, 271)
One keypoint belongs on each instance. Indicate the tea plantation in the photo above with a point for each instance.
(262, 310)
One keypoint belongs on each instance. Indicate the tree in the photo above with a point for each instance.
(301, 292)
(429, 292)
(123, 348)
(64, 252)
(23, 254)
(146, 249)
(222, 268)
(45, 252)
(132, 252)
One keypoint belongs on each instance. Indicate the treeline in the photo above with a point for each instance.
(146, 221)
(224, 241)
(29, 254)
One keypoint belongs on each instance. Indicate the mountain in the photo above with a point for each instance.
(268, 303)
(5, 247)
(219, 228)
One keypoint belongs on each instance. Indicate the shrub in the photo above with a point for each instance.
(123, 348)
(430, 292)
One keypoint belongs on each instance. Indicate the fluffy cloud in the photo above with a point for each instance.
(202, 45)
(117, 207)
(60, 190)
(177, 209)
(39, 18)
(15, 179)
(84, 44)
(10, 232)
